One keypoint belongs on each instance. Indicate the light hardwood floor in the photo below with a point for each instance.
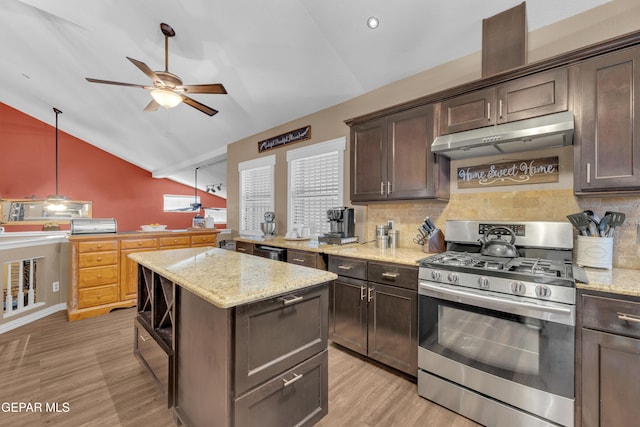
(88, 369)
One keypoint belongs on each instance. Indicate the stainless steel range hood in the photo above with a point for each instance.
(553, 130)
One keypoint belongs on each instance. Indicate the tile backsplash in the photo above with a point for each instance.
(537, 205)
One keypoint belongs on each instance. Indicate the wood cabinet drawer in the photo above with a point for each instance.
(94, 259)
(404, 276)
(245, 247)
(276, 334)
(156, 358)
(94, 276)
(138, 243)
(611, 315)
(348, 267)
(206, 240)
(298, 397)
(98, 245)
(98, 295)
(307, 259)
(175, 241)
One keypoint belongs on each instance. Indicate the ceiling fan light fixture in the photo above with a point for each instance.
(166, 98)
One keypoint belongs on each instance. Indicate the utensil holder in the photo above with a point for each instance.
(435, 244)
(595, 252)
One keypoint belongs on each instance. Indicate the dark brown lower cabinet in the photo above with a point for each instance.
(378, 320)
(609, 364)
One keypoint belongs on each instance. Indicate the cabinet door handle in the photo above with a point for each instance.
(500, 108)
(382, 188)
(242, 250)
(628, 317)
(344, 267)
(291, 299)
(362, 292)
(369, 294)
(295, 378)
(389, 188)
(588, 173)
(488, 111)
(391, 276)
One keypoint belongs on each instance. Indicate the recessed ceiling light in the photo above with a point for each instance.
(373, 22)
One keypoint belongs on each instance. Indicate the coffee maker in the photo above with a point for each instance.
(342, 223)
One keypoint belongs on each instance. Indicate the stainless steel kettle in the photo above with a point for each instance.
(498, 247)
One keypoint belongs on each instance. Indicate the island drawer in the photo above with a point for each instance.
(611, 315)
(393, 274)
(94, 259)
(156, 358)
(297, 397)
(349, 267)
(98, 245)
(98, 295)
(176, 241)
(245, 247)
(304, 258)
(94, 276)
(138, 243)
(276, 334)
(206, 240)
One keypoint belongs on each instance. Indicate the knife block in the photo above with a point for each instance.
(435, 244)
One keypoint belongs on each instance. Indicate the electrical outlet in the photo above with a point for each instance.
(390, 224)
(56, 286)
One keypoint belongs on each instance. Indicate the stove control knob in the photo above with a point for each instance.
(543, 291)
(518, 288)
(435, 275)
(453, 277)
(483, 282)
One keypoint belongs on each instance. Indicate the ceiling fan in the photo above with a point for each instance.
(167, 90)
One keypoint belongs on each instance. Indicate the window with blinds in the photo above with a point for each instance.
(256, 192)
(178, 203)
(315, 184)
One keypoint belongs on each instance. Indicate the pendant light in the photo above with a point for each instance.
(56, 202)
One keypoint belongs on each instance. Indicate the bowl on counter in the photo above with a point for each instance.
(153, 227)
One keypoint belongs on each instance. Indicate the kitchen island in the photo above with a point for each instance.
(238, 339)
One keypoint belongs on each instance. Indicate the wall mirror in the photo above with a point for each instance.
(35, 211)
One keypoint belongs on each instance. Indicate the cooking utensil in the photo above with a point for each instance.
(498, 247)
(604, 226)
(616, 220)
(592, 216)
(580, 221)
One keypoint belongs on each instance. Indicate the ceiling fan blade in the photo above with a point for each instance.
(152, 106)
(109, 82)
(215, 88)
(145, 69)
(199, 106)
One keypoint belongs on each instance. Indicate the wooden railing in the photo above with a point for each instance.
(19, 286)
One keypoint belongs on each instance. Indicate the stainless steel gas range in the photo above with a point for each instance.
(496, 333)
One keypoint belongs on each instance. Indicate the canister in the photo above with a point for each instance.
(393, 238)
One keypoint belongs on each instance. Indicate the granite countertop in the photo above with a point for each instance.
(408, 256)
(227, 279)
(623, 281)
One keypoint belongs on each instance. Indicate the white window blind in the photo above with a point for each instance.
(256, 192)
(315, 184)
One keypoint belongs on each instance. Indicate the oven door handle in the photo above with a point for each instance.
(491, 302)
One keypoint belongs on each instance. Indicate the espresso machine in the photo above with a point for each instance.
(342, 222)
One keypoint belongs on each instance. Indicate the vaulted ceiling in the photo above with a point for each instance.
(278, 59)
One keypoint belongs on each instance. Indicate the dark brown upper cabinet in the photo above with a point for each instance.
(391, 158)
(607, 142)
(523, 98)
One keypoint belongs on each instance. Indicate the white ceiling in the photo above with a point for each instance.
(278, 59)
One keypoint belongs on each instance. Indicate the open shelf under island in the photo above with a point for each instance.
(229, 337)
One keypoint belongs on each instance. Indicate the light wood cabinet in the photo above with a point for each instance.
(609, 366)
(607, 145)
(523, 98)
(391, 158)
(102, 277)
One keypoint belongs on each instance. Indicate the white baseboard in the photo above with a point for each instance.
(32, 317)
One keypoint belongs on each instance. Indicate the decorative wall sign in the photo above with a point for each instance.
(284, 139)
(515, 172)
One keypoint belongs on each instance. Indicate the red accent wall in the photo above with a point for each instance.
(117, 188)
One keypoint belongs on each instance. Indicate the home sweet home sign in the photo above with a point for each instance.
(284, 139)
(513, 172)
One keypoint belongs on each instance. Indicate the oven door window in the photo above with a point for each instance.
(525, 350)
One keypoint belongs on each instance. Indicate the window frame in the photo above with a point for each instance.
(248, 165)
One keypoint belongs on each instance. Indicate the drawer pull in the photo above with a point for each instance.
(139, 243)
(292, 299)
(242, 250)
(297, 260)
(344, 267)
(391, 276)
(99, 258)
(295, 378)
(99, 276)
(143, 338)
(628, 317)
